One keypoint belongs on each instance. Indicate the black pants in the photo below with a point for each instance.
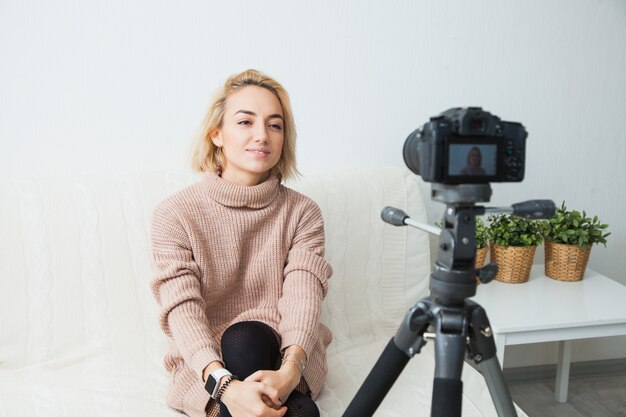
(251, 346)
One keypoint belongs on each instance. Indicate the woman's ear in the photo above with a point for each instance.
(216, 138)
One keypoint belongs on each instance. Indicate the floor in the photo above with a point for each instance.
(589, 396)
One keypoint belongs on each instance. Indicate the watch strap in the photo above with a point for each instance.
(220, 392)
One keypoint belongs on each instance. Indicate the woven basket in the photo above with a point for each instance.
(481, 255)
(514, 262)
(566, 262)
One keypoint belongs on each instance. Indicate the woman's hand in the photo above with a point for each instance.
(252, 399)
(284, 380)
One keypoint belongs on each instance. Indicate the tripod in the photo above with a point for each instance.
(458, 324)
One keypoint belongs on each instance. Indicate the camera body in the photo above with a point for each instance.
(467, 146)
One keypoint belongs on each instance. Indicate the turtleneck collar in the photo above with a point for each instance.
(234, 195)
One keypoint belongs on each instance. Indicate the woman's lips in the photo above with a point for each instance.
(259, 152)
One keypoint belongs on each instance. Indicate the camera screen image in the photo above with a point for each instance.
(472, 159)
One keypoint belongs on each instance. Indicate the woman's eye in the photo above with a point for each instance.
(276, 126)
(244, 122)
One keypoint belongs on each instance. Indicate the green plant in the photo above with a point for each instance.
(575, 228)
(506, 230)
(481, 234)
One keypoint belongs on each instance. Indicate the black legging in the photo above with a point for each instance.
(251, 346)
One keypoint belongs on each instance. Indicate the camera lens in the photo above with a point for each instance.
(410, 151)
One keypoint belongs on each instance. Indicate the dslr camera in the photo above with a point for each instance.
(467, 146)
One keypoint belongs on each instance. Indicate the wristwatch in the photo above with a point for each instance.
(213, 381)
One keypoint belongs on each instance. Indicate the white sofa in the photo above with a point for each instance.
(78, 326)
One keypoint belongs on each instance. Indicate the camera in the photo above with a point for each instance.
(467, 146)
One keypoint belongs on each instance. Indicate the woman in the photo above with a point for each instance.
(239, 267)
(474, 162)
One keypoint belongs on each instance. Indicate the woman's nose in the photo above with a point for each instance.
(260, 134)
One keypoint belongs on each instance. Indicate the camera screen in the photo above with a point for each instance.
(470, 159)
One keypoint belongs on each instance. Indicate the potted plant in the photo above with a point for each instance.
(569, 236)
(482, 243)
(513, 242)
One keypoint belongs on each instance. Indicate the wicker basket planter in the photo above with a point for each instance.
(481, 256)
(566, 262)
(513, 242)
(569, 237)
(514, 262)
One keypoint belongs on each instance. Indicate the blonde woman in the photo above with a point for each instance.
(239, 266)
(474, 161)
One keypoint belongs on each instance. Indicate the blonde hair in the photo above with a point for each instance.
(205, 156)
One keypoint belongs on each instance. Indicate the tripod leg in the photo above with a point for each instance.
(500, 394)
(407, 342)
(447, 385)
(483, 350)
(378, 383)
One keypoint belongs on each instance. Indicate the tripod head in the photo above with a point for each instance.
(454, 276)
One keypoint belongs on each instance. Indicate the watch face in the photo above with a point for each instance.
(211, 383)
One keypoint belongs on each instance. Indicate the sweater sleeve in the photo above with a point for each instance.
(176, 287)
(305, 282)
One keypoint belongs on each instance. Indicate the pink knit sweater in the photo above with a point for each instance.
(225, 253)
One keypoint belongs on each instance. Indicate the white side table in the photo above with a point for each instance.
(547, 310)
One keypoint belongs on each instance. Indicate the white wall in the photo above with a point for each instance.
(120, 87)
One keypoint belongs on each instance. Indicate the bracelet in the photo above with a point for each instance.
(294, 364)
(302, 365)
(220, 392)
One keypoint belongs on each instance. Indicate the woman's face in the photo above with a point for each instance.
(251, 136)
(474, 158)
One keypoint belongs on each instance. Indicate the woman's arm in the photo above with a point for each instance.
(176, 287)
(304, 287)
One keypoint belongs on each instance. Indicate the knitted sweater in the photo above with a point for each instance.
(225, 253)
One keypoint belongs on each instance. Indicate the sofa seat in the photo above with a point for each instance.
(79, 334)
